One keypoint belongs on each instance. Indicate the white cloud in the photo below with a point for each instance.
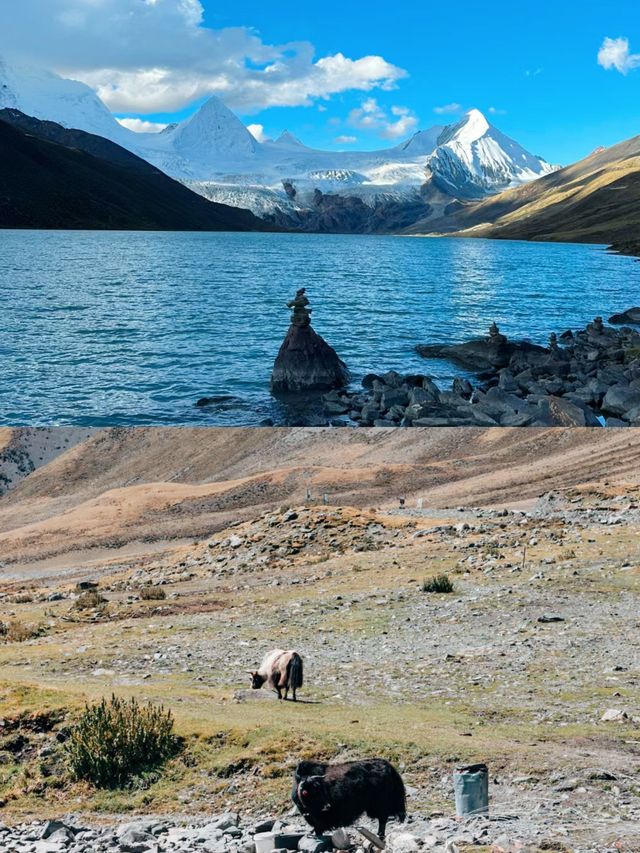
(140, 126)
(533, 72)
(371, 116)
(257, 131)
(406, 123)
(615, 53)
(447, 108)
(158, 55)
(494, 111)
(345, 140)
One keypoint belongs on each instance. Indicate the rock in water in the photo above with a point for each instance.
(305, 361)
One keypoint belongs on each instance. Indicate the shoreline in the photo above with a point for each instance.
(587, 378)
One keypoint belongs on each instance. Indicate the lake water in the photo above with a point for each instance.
(131, 328)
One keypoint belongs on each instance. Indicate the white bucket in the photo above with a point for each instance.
(265, 842)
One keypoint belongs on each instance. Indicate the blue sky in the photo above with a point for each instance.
(536, 62)
(354, 74)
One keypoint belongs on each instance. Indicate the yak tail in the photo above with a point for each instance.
(296, 675)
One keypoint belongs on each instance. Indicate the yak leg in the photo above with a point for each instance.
(279, 691)
(382, 826)
(294, 694)
(286, 693)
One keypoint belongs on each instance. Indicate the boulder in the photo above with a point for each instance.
(57, 830)
(516, 420)
(615, 422)
(631, 315)
(417, 396)
(306, 362)
(394, 396)
(402, 842)
(462, 387)
(558, 411)
(392, 378)
(620, 399)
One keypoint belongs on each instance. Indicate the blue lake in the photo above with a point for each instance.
(131, 328)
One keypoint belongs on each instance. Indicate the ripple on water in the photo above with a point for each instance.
(132, 328)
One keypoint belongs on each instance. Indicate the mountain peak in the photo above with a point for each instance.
(471, 127)
(287, 138)
(213, 131)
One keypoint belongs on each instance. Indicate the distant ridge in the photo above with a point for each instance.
(51, 177)
(596, 200)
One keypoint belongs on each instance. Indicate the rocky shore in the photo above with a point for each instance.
(586, 378)
(228, 833)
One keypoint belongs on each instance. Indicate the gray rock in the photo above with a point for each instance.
(631, 315)
(57, 826)
(394, 397)
(558, 411)
(516, 419)
(462, 387)
(313, 844)
(619, 400)
(392, 378)
(135, 837)
(417, 396)
(616, 422)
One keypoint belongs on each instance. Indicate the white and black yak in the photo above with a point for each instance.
(330, 796)
(281, 671)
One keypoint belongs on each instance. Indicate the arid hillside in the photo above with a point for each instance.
(122, 492)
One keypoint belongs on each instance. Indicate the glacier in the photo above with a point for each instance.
(214, 154)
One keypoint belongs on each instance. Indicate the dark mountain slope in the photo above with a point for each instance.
(51, 177)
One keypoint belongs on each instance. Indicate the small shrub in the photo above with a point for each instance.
(152, 593)
(115, 739)
(440, 583)
(89, 601)
(18, 632)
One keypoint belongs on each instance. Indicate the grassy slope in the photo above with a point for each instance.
(443, 713)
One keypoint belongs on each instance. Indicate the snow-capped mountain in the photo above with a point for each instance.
(45, 95)
(215, 154)
(472, 159)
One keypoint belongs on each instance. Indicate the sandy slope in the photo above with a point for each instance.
(133, 490)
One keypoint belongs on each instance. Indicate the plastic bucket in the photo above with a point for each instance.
(471, 787)
(265, 842)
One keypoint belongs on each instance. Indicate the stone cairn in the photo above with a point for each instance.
(496, 339)
(306, 362)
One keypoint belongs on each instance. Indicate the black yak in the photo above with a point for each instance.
(281, 671)
(330, 796)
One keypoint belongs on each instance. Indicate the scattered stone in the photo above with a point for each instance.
(614, 715)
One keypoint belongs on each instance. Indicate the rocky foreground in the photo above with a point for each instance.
(228, 833)
(587, 378)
